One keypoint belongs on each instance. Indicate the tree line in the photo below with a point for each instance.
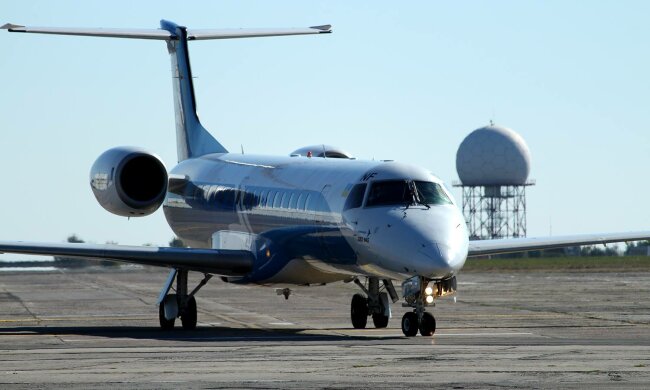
(77, 262)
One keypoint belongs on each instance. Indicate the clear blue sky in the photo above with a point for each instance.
(405, 81)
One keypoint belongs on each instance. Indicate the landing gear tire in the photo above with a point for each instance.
(359, 311)
(188, 318)
(427, 324)
(410, 324)
(165, 324)
(380, 320)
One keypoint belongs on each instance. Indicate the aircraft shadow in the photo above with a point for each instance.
(200, 334)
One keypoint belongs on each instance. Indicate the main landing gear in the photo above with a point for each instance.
(180, 305)
(374, 303)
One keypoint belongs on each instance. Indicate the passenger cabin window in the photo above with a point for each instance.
(276, 200)
(308, 202)
(262, 199)
(301, 201)
(285, 200)
(355, 198)
(292, 200)
(269, 199)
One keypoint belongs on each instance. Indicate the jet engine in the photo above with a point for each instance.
(129, 181)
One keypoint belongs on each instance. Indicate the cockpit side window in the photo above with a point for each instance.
(431, 193)
(390, 192)
(355, 198)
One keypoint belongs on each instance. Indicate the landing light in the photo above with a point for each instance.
(429, 298)
(428, 291)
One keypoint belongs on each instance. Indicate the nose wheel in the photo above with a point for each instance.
(427, 324)
(411, 324)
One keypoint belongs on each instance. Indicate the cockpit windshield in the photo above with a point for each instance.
(392, 192)
(431, 193)
(406, 192)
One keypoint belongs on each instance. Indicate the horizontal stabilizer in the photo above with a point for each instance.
(93, 32)
(254, 32)
(167, 35)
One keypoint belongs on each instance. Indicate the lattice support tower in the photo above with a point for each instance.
(496, 211)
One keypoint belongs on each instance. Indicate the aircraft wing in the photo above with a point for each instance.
(510, 245)
(213, 261)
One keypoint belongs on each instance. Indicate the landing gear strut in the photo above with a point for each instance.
(182, 304)
(375, 303)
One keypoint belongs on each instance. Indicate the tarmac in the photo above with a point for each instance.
(98, 328)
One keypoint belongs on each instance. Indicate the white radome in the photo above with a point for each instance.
(493, 155)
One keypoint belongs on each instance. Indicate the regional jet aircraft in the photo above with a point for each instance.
(315, 216)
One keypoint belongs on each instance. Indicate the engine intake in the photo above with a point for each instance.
(129, 181)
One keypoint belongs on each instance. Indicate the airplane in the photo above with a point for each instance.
(313, 217)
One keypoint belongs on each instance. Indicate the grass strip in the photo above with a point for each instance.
(557, 264)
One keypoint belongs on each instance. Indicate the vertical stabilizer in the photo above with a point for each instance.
(192, 139)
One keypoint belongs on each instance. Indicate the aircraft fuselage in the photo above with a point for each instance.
(297, 214)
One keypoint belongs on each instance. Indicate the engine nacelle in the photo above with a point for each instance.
(129, 181)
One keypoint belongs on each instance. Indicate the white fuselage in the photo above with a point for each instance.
(294, 213)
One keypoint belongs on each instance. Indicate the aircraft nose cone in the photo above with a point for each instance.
(441, 253)
(451, 256)
(437, 260)
(427, 242)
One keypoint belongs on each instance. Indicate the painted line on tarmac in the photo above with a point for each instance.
(71, 318)
(279, 338)
(491, 334)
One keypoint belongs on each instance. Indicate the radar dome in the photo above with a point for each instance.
(493, 155)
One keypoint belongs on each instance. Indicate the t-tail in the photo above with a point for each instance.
(193, 140)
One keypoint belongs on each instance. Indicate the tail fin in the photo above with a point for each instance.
(193, 140)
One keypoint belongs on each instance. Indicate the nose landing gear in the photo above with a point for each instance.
(418, 320)
(417, 295)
